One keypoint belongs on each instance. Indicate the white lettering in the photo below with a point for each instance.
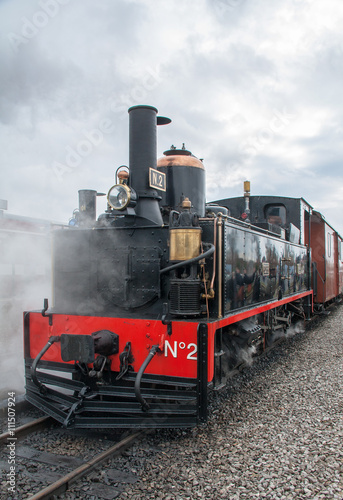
(138, 93)
(106, 126)
(192, 354)
(28, 29)
(50, 7)
(40, 19)
(95, 136)
(273, 124)
(156, 78)
(16, 40)
(193, 348)
(265, 136)
(283, 116)
(84, 148)
(59, 169)
(173, 352)
(72, 158)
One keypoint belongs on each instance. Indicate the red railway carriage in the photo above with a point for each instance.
(340, 264)
(157, 299)
(327, 260)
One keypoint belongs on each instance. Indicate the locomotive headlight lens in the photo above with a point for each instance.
(119, 196)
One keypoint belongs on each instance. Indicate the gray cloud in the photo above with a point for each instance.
(221, 69)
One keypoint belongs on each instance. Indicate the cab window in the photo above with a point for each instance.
(276, 214)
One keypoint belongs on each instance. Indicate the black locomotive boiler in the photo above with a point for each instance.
(153, 300)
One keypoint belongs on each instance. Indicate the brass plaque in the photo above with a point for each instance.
(157, 179)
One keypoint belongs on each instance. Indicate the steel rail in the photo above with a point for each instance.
(23, 430)
(63, 484)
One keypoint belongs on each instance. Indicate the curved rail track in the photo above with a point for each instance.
(63, 484)
(24, 430)
(65, 481)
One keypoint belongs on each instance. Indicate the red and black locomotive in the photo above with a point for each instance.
(153, 300)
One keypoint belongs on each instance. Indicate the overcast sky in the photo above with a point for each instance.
(252, 86)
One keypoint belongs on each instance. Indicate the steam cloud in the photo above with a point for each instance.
(25, 279)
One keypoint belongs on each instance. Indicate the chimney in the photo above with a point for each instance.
(143, 156)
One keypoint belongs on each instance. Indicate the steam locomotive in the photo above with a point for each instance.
(154, 300)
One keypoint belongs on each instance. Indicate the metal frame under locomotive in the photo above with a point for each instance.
(141, 346)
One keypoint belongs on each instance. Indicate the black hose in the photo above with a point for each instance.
(204, 255)
(37, 359)
(145, 405)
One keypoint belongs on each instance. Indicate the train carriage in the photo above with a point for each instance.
(327, 260)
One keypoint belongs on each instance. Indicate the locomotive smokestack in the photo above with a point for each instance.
(143, 144)
(87, 207)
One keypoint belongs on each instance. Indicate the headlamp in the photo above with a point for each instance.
(120, 196)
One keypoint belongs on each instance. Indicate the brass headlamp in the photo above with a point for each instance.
(119, 196)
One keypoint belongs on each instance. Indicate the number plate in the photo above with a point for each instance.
(157, 179)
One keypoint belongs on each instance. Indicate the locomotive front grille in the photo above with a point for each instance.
(185, 297)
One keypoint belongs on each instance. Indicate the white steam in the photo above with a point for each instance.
(246, 355)
(25, 280)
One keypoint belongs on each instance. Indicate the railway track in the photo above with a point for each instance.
(63, 484)
(24, 430)
(76, 467)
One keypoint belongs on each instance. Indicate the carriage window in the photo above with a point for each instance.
(329, 245)
(276, 214)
